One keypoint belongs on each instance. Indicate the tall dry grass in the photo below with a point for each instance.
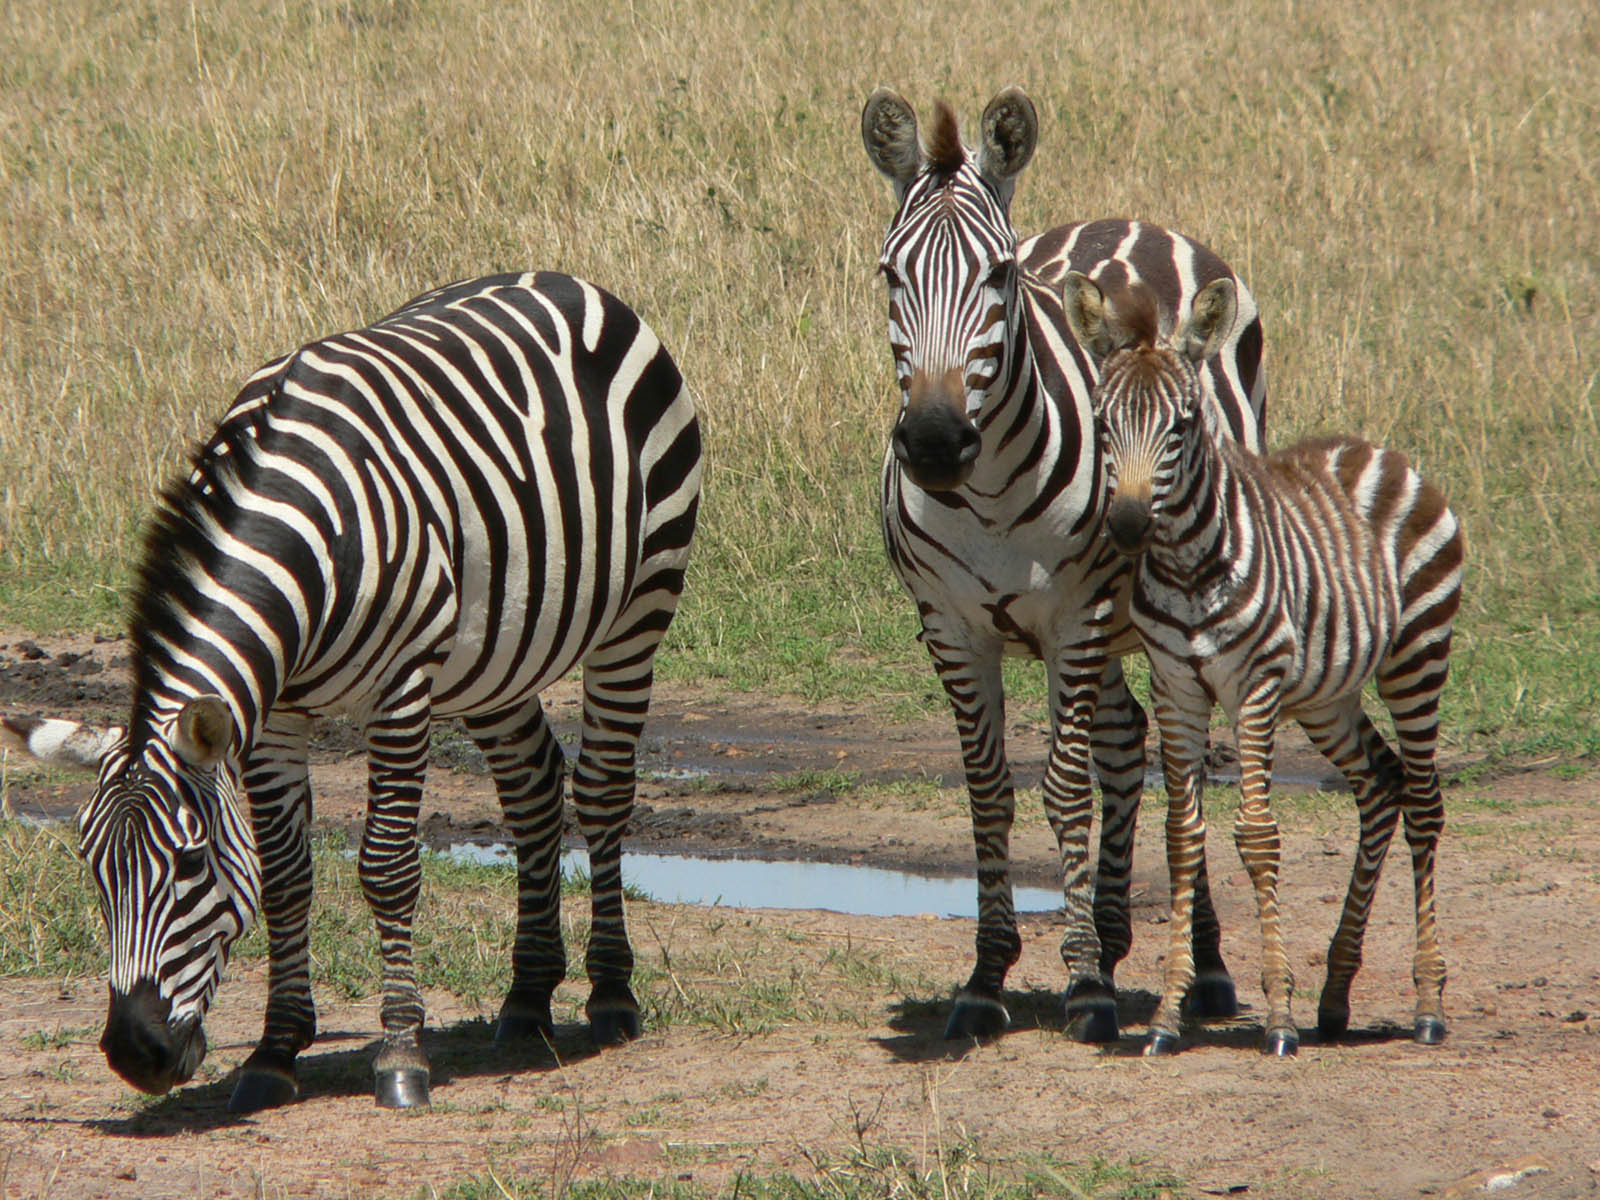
(187, 189)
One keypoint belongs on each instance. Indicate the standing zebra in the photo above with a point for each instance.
(435, 516)
(1276, 587)
(991, 509)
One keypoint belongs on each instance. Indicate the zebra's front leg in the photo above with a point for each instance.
(1118, 741)
(529, 771)
(1255, 833)
(391, 879)
(1183, 742)
(972, 681)
(279, 793)
(1074, 677)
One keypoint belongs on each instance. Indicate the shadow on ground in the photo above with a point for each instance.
(464, 1050)
(920, 1022)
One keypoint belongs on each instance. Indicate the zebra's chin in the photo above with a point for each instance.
(146, 1049)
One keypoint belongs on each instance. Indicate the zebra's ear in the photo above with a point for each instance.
(1010, 132)
(1087, 314)
(59, 743)
(889, 132)
(204, 731)
(1211, 319)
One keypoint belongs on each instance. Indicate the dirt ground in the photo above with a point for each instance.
(1508, 1106)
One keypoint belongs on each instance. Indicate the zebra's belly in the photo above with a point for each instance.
(1318, 665)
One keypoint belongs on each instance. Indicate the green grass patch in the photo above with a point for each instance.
(49, 919)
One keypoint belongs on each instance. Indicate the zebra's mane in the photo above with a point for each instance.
(1139, 315)
(944, 150)
(1135, 319)
(175, 540)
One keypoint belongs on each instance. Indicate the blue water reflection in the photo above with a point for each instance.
(745, 883)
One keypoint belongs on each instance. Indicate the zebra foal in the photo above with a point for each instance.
(1277, 586)
(435, 516)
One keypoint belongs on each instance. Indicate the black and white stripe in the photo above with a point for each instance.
(991, 514)
(436, 516)
(1276, 587)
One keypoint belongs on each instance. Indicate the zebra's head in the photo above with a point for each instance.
(1148, 401)
(950, 260)
(170, 849)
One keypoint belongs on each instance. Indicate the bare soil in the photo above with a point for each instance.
(1508, 1106)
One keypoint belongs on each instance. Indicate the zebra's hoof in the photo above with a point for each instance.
(1160, 1043)
(1091, 1013)
(258, 1088)
(402, 1087)
(976, 1017)
(613, 1015)
(1428, 1031)
(613, 1026)
(1281, 1043)
(521, 1025)
(1212, 998)
(1332, 1023)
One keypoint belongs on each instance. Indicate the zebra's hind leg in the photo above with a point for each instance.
(616, 695)
(1351, 742)
(279, 790)
(1411, 690)
(1074, 673)
(391, 878)
(529, 772)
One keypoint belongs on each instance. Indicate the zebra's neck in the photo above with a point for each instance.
(1198, 544)
(180, 660)
(213, 612)
(1012, 417)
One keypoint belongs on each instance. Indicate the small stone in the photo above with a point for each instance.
(126, 1172)
(1576, 1015)
(1550, 1114)
(1540, 981)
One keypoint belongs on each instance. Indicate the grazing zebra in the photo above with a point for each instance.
(1277, 587)
(435, 516)
(991, 509)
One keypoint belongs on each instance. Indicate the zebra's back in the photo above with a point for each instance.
(495, 471)
(1121, 254)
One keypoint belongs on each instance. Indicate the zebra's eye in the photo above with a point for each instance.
(191, 860)
(890, 275)
(1000, 275)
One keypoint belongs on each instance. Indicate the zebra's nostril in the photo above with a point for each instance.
(969, 442)
(901, 444)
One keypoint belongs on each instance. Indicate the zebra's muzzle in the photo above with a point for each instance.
(144, 1047)
(936, 447)
(1128, 522)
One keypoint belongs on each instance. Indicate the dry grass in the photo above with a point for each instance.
(187, 189)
